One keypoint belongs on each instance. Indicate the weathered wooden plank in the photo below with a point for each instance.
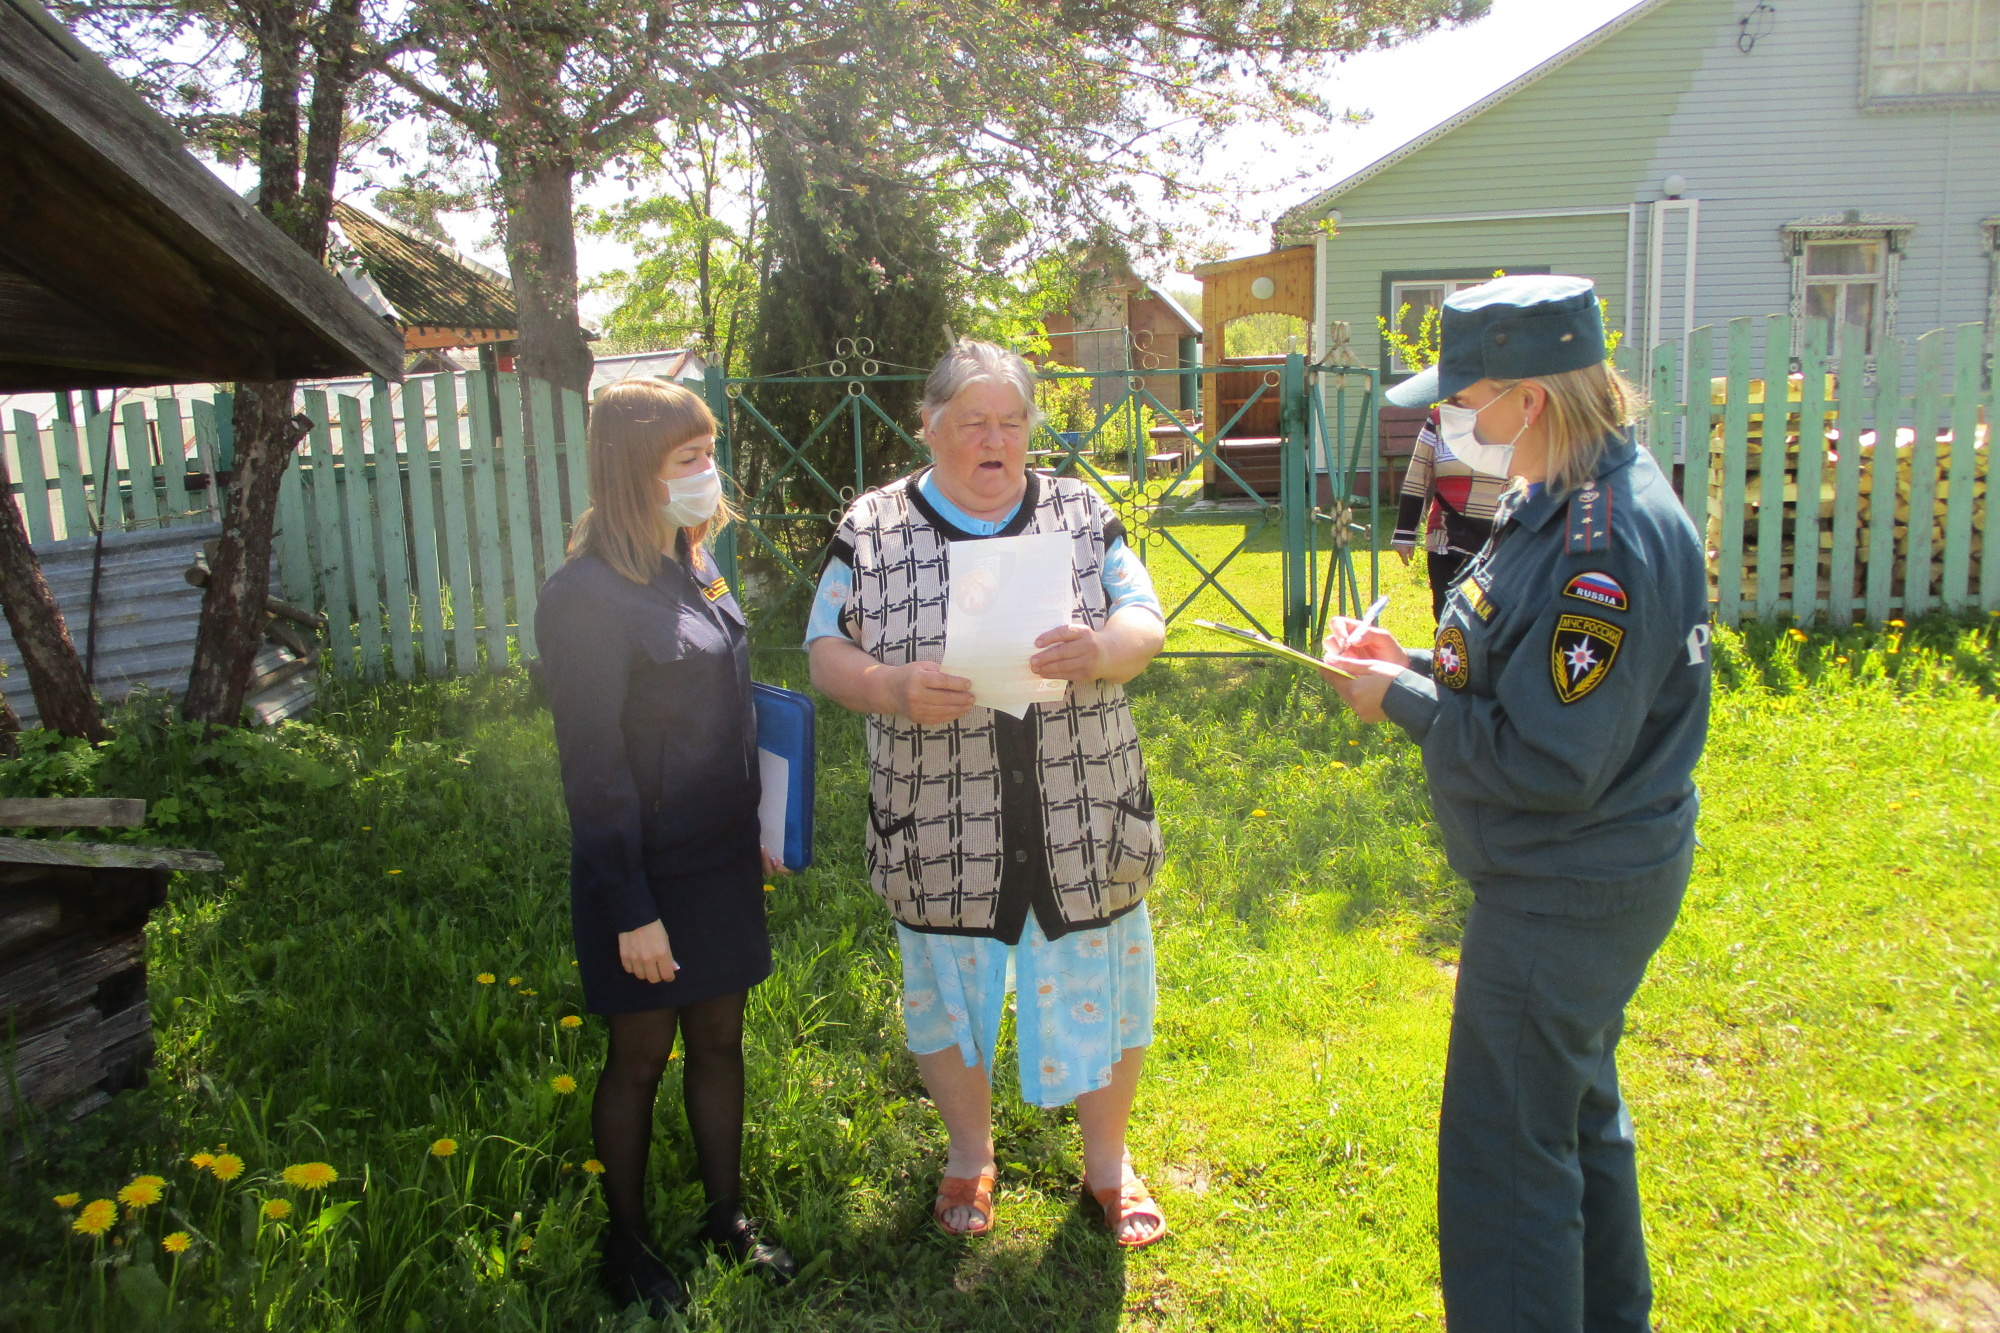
(1928, 414)
(207, 447)
(1735, 458)
(173, 457)
(330, 532)
(120, 856)
(548, 473)
(138, 442)
(69, 480)
(1885, 412)
(576, 458)
(389, 502)
(106, 504)
(1989, 559)
(1696, 461)
(1665, 396)
(359, 505)
(31, 471)
(294, 547)
(1854, 409)
(423, 526)
(520, 514)
(1805, 599)
(457, 569)
(486, 520)
(71, 812)
(1771, 469)
(1968, 361)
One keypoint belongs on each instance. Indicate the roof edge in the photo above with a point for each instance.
(1300, 213)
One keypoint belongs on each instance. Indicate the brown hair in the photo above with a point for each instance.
(634, 425)
(1584, 406)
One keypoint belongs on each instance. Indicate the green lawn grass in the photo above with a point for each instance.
(1814, 1063)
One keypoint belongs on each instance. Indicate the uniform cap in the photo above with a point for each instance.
(1509, 329)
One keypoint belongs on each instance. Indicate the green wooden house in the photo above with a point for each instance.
(1701, 160)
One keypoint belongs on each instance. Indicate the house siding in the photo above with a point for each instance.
(1762, 138)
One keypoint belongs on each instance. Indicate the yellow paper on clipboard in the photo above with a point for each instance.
(1271, 646)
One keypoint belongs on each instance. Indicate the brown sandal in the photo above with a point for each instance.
(975, 1192)
(1130, 1199)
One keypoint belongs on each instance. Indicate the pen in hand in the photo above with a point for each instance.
(1363, 625)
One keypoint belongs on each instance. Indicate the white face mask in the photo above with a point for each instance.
(1459, 426)
(691, 500)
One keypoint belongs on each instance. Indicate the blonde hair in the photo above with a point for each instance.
(1584, 406)
(634, 425)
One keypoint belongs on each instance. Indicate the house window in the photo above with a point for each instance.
(1925, 52)
(1844, 275)
(1844, 285)
(1422, 292)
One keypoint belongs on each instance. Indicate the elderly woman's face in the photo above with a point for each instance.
(980, 443)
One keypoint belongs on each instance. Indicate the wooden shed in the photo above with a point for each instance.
(124, 261)
(73, 957)
(436, 296)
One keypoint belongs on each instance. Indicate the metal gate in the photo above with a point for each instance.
(1257, 531)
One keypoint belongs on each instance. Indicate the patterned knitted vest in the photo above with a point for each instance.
(934, 792)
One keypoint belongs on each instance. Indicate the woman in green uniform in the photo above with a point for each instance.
(1561, 710)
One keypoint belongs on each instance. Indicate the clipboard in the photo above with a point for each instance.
(787, 760)
(1271, 646)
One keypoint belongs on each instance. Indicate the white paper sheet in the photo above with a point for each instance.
(776, 771)
(1006, 592)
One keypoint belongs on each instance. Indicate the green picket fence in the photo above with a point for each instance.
(1865, 496)
(422, 517)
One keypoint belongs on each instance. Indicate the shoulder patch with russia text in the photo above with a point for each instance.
(1600, 589)
(1448, 660)
(1581, 653)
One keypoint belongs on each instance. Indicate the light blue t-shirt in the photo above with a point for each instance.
(1126, 582)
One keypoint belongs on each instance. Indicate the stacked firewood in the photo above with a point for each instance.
(1831, 449)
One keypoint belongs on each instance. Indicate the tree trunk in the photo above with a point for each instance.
(541, 254)
(62, 695)
(239, 577)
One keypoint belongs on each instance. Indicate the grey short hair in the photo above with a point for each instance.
(970, 361)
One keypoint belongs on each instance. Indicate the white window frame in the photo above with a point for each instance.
(1396, 289)
(1983, 37)
(1892, 233)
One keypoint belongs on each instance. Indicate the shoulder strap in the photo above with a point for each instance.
(1589, 519)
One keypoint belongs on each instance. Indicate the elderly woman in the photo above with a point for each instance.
(998, 840)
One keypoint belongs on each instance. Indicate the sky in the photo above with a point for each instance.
(1405, 89)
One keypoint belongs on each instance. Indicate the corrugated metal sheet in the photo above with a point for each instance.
(147, 613)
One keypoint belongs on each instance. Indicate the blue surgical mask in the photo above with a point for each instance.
(1459, 429)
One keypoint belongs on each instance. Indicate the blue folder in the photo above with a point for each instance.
(787, 755)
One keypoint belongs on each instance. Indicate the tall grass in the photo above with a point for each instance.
(1814, 1063)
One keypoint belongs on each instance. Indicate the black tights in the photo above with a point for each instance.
(621, 1114)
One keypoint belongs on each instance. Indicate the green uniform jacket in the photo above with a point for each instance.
(1565, 702)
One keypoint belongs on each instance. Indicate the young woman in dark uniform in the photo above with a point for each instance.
(648, 673)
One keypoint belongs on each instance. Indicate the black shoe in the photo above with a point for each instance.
(631, 1272)
(738, 1238)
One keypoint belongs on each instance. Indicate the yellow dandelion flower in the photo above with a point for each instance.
(768, 888)
(395, 872)
(143, 1192)
(1338, 764)
(593, 1167)
(310, 1175)
(571, 1021)
(563, 1084)
(96, 1218)
(1895, 805)
(367, 828)
(68, 1200)
(1840, 661)
(444, 1147)
(526, 1241)
(513, 981)
(1256, 814)
(484, 978)
(201, 1160)
(1354, 742)
(530, 992)
(176, 1242)
(1895, 624)
(226, 1166)
(278, 1210)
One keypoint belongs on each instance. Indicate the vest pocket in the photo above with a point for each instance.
(1136, 847)
(892, 855)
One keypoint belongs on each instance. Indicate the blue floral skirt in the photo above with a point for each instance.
(1085, 999)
